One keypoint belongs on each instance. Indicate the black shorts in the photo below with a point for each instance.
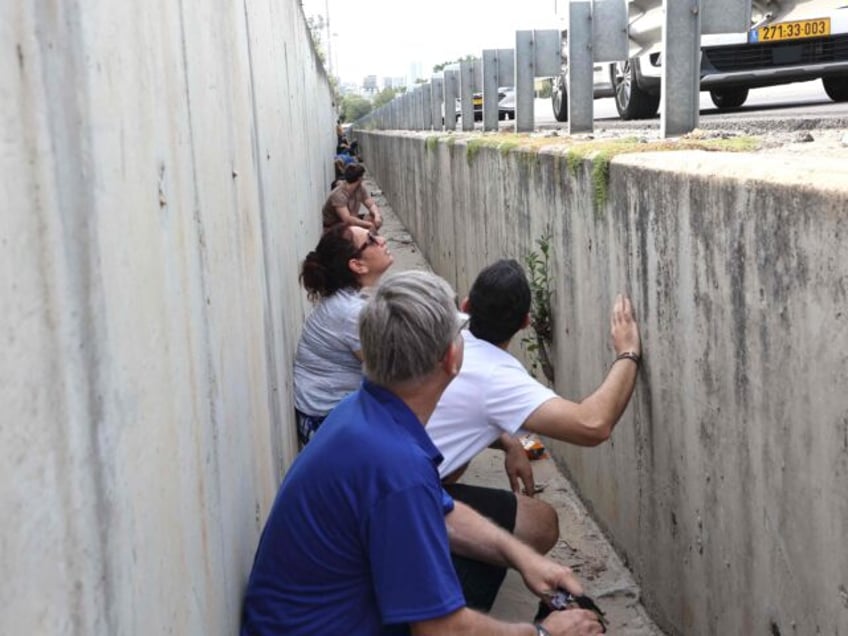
(481, 581)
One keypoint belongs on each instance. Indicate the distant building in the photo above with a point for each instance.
(394, 82)
(369, 84)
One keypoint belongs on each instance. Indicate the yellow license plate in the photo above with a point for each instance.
(792, 30)
(477, 101)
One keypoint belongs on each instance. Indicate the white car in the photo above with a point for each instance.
(787, 42)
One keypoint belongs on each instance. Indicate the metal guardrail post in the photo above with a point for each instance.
(490, 89)
(524, 76)
(466, 92)
(419, 107)
(681, 69)
(436, 98)
(427, 116)
(450, 92)
(413, 109)
(579, 85)
(404, 112)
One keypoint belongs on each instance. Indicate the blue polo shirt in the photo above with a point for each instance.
(356, 540)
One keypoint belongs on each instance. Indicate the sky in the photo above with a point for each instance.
(385, 37)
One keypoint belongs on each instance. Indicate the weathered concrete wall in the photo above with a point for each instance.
(162, 169)
(725, 485)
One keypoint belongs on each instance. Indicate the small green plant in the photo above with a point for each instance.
(538, 344)
(431, 143)
(472, 147)
(600, 181)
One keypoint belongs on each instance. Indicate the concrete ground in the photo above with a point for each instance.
(582, 545)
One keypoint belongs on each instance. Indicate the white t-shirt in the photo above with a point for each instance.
(325, 366)
(492, 394)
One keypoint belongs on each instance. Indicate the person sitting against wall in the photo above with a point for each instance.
(359, 536)
(494, 397)
(328, 361)
(342, 206)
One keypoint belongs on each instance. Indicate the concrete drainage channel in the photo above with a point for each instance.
(582, 545)
(732, 246)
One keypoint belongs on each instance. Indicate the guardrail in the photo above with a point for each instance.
(598, 31)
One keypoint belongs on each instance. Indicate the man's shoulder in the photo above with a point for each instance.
(338, 194)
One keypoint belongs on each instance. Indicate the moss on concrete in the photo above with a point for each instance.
(600, 152)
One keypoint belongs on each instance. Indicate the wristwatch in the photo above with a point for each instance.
(540, 630)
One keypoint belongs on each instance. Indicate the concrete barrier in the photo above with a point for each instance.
(725, 485)
(163, 169)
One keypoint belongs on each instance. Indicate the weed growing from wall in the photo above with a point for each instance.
(538, 344)
(431, 143)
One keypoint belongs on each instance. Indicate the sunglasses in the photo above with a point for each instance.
(371, 240)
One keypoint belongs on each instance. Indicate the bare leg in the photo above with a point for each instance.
(536, 523)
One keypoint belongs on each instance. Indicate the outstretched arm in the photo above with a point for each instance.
(590, 422)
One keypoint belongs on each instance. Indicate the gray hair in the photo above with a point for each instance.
(407, 326)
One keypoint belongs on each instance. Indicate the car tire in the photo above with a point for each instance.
(729, 97)
(836, 88)
(559, 98)
(631, 101)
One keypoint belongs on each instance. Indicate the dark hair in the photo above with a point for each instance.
(325, 269)
(499, 301)
(353, 172)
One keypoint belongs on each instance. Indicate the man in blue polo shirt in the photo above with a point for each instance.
(357, 541)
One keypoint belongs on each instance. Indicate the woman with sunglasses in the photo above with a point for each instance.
(328, 362)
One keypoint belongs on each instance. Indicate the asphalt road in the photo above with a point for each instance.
(796, 106)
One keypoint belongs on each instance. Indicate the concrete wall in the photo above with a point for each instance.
(163, 164)
(725, 485)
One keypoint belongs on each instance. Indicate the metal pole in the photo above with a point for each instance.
(451, 88)
(436, 97)
(490, 89)
(681, 69)
(524, 80)
(579, 84)
(466, 93)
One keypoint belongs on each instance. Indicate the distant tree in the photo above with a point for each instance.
(353, 107)
(420, 80)
(440, 67)
(385, 96)
(545, 89)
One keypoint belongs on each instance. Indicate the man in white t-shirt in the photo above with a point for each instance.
(494, 396)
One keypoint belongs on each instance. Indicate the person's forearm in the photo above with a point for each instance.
(473, 536)
(609, 401)
(468, 621)
(590, 422)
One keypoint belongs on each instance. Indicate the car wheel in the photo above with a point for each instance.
(559, 98)
(631, 102)
(836, 88)
(729, 98)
